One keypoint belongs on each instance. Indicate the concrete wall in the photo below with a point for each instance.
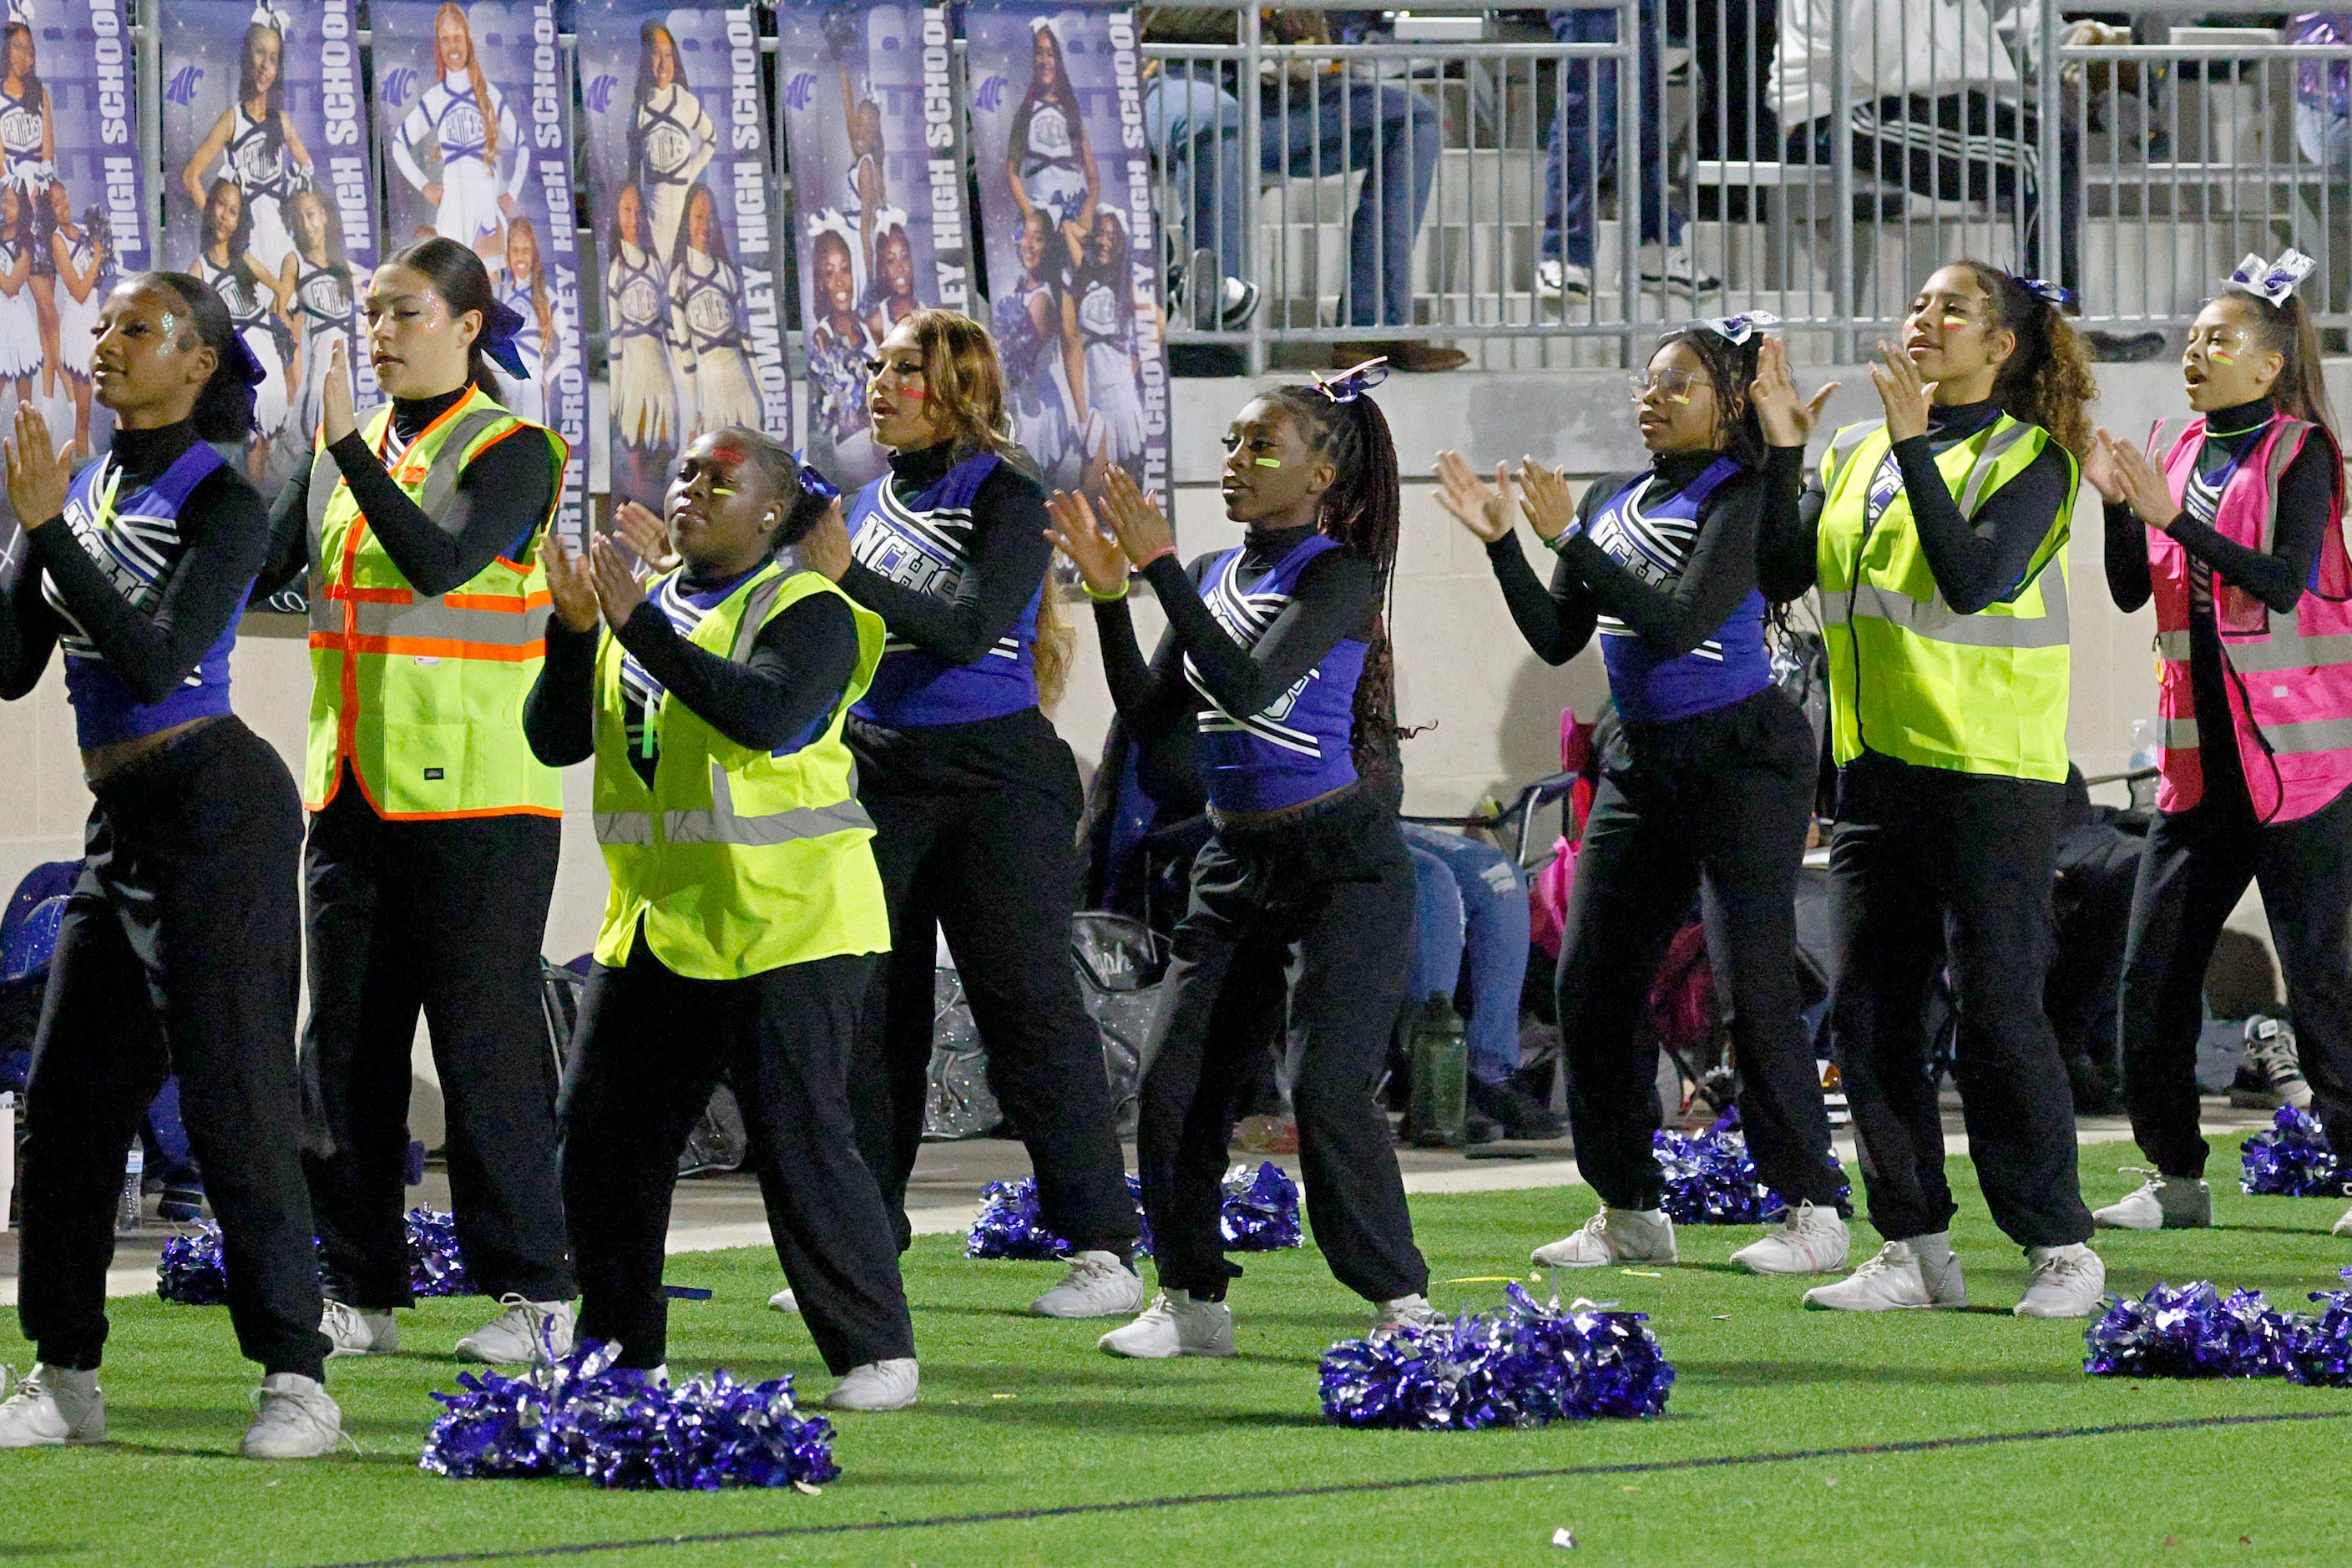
(1490, 708)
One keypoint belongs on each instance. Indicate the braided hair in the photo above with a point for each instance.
(1362, 512)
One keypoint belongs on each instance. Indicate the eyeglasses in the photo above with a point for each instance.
(1674, 385)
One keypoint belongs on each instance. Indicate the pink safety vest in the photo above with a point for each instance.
(2288, 678)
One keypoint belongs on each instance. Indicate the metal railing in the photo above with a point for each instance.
(1819, 170)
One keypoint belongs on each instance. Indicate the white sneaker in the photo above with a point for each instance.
(354, 1332)
(1809, 1241)
(1173, 1325)
(1674, 269)
(1407, 1312)
(1613, 1236)
(1558, 280)
(2163, 1202)
(2344, 1225)
(1097, 1285)
(2067, 1282)
(877, 1385)
(526, 1330)
(296, 1420)
(1895, 1278)
(51, 1407)
(784, 1301)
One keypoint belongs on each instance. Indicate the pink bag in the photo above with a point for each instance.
(1548, 893)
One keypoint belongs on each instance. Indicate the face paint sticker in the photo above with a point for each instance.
(1953, 323)
(1267, 462)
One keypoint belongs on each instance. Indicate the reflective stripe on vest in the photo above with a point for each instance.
(1937, 622)
(721, 825)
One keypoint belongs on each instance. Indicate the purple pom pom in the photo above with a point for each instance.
(1710, 1180)
(2290, 1160)
(1011, 1225)
(435, 1266)
(190, 1272)
(1260, 1211)
(2323, 1346)
(1523, 1365)
(2191, 1332)
(583, 1417)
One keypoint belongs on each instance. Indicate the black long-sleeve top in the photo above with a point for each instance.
(503, 495)
(799, 664)
(1717, 575)
(2306, 495)
(1975, 561)
(222, 537)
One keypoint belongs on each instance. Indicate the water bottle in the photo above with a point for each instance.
(2144, 755)
(134, 1172)
(1440, 1077)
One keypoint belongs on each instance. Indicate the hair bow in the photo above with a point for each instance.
(20, 13)
(243, 362)
(815, 484)
(1736, 330)
(2273, 280)
(2049, 294)
(500, 323)
(266, 14)
(1351, 384)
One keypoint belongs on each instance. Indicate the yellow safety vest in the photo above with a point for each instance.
(1911, 677)
(422, 694)
(737, 861)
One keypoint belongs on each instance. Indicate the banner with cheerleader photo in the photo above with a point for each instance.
(1073, 245)
(269, 197)
(690, 233)
(473, 109)
(73, 212)
(874, 132)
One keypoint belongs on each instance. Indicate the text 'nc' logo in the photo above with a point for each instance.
(182, 90)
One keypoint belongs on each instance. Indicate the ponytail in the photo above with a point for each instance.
(224, 410)
(2047, 381)
(2286, 329)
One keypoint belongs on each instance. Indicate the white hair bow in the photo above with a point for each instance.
(20, 13)
(266, 14)
(1736, 330)
(2273, 280)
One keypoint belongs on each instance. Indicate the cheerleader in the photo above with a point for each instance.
(707, 327)
(80, 256)
(471, 128)
(260, 151)
(975, 799)
(434, 832)
(2237, 533)
(1048, 166)
(670, 140)
(20, 326)
(323, 302)
(544, 339)
(1099, 312)
(1937, 539)
(181, 946)
(637, 332)
(28, 161)
(1706, 789)
(225, 263)
(840, 342)
(1277, 650)
(892, 293)
(744, 947)
(1038, 360)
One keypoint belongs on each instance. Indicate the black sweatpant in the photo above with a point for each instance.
(177, 954)
(2196, 864)
(1714, 803)
(1930, 866)
(997, 869)
(1323, 906)
(445, 916)
(649, 1049)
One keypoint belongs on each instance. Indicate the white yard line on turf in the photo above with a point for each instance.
(1483, 1176)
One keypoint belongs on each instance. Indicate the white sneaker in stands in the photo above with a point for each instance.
(877, 1385)
(350, 1331)
(295, 1419)
(2067, 1282)
(1613, 1236)
(1558, 280)
(526, 1330)
(1809, 1240)
(1895, 1278)
(784, 1301)
(1173, 1325)
(52, 1407)
(2162, 1203)
(1096, 1286)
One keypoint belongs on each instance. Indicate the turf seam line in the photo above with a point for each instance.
(1347, 1489)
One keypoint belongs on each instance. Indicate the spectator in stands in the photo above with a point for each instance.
(1586, 133)
(1195, 121)
(2323, 133)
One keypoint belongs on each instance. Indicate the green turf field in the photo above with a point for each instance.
(1022, 1413)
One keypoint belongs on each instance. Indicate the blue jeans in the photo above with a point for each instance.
(1197, 125)
(1587, 129)
(1471, 902)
